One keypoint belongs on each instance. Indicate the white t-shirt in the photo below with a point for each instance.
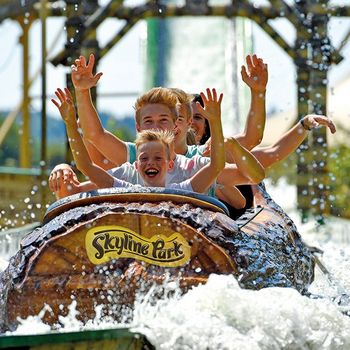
(184, 168)
(184, 185)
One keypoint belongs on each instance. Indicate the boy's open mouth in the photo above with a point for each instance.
(151, 172)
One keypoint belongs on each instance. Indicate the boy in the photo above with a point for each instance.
(152, 164)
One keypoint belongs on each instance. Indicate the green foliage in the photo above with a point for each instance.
(339, 179)
(339, 165)
(121, 131)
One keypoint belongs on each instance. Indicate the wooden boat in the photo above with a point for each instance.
(102, 247)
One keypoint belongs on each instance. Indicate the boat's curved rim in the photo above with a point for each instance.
(134, 194)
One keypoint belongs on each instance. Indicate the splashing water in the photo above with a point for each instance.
(221, 315)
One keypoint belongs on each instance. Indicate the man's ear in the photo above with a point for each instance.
(170, 164)
(189, 121)
(138, 129)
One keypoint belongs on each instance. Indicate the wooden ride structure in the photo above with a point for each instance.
(103, 247)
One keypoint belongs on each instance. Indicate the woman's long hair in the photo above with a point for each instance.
(206, 135)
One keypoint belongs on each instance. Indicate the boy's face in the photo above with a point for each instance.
(153, 163)
(182, 123)
(155, 116)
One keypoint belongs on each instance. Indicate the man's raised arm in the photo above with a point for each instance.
(114, 149)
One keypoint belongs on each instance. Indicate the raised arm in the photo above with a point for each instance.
(96, 174)
(114, 149)
(291, 140)
(255, 77)
(205, 177)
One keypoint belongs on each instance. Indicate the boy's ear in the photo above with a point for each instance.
(170, 164)
(136, 164)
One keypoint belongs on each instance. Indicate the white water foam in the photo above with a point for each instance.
(220, 315)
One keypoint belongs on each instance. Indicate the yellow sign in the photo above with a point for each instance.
(104, 243)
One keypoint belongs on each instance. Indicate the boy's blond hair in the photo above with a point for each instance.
(184, 99)
(158, 95)
(164, 137)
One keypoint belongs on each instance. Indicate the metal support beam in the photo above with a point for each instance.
(303, 153)
(25, 147)
(43, 153)
(290, 51)
(90, 25)
(321, 60)
(121, 33)
(151, 9)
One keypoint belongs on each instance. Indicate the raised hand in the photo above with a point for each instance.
(312, 121)
(65, 105)
(257, 75)
(82, 74)
(212, 105)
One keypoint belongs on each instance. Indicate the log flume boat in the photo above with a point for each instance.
(102, 247)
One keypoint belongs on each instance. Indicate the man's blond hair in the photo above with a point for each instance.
(184, 99)
(166, 138)
(158, 95)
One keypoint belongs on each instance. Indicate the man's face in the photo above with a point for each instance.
(155, 116)
(182, 123)
(198, 123)
(153, 163)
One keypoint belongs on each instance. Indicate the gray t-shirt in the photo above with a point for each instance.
(184, 185)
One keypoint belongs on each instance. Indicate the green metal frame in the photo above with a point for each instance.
(124, 337)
